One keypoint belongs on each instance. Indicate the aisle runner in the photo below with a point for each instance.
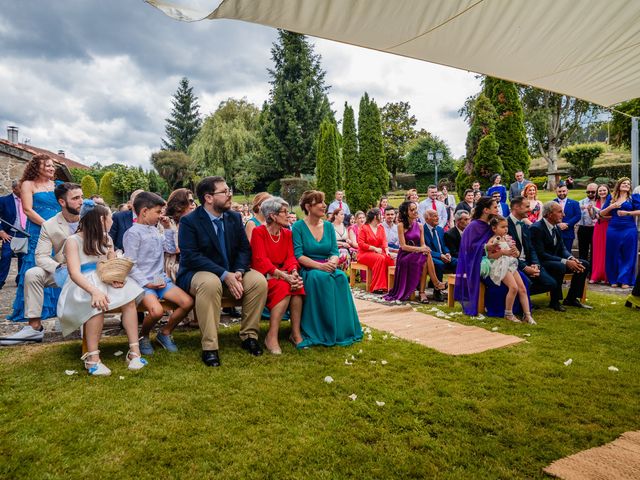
(442, 335)
(619, 460)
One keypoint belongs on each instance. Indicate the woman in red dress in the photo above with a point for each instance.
(373, 251)
(272, 255)
(598, 272)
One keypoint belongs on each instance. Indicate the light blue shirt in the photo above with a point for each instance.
(145, 245)
(215, 227)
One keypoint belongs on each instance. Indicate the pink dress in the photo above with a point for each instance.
(598, 273)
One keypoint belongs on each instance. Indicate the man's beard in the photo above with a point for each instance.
(72, 211)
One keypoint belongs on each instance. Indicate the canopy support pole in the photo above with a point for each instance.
(634, 152)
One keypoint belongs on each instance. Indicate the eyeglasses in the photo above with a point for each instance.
(192, 201)
(285, 211)
(591, 191)
(228, 192)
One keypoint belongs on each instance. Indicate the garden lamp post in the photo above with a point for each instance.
(436, 158)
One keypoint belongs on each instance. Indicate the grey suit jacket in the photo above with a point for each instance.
(514, 191)
(53, 235)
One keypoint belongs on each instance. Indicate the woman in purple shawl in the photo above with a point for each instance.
(474, 238)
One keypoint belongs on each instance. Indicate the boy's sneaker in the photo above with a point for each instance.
(145, 346)
(27, 334)
(167, 342)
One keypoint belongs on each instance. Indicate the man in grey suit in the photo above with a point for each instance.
(515, 190)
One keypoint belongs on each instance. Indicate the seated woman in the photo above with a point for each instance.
(85, 298)
(413, 258)
(179, 204)
(257, 219)
(272, 255)
(345, 244)
(373, 251)
(329, 316)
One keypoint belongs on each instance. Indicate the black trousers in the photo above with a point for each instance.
(557, 270)
(585, 242)
(542, 283)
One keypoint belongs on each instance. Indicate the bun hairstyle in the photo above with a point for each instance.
(496, 220)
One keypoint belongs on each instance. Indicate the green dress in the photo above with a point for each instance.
(329, 316)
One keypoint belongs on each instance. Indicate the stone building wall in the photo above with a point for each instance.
(11, 169)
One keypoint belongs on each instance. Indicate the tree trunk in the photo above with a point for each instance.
(552, 166)
(394, 182)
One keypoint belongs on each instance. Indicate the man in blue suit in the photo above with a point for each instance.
(434, 238)
(572, 215)
(122, 221)
(10, 207)
(214, 261)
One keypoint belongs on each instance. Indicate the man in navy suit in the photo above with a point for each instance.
(10, 207)
(214, 261)
(434, 238)
(572, 215)
(546, 239)
(122, 221)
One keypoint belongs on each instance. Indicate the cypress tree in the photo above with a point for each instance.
(89, 186)
(184, 123)
(327, 160)
(106, 188)
(350, 157)
(487, 161)
(372, 168)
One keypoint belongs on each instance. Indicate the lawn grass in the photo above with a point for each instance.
(501, 414)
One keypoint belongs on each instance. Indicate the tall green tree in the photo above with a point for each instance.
(184, 123)
(419, 164)
(510, 132)
(296, 106)
(372, 168)
(327, 166)
(397, 132)
(107, 192)
(350, 156)
(620, 134)
(89, 186)
(175, 167)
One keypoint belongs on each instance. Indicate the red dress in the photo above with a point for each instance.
(267, 255)
(377, 262)
(598, 272)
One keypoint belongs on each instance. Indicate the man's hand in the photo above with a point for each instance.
(531, 271)
(5, 236)
(445, 257)
(563, 226)
(234, 285)
(574, 265)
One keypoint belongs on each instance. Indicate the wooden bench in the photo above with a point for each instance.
(568, 277)
(391, 275)
(355, 266)
(451, 280)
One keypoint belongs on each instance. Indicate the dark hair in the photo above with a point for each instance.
(334, 214)
(147, 200)
(515, 201)
(495, 220)
(389, 208)
(96, 239)
(403, 214)
(62, 189)
(178, 203)
(493, 177)
(481, 204)
(207, 185)
(32, 170)
(466, 192)
(431, 186)
(310, 197)
(384, 197)
(371, 214)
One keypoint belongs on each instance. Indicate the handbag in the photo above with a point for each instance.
(19, 245)
(485, 264)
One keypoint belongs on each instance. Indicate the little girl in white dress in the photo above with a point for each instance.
(85, 298)
(504, 269)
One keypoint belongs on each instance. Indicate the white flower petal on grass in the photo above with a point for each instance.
(352, 357)
(328, 379)
(369, 337)
(121, 377)
(455, 313)
(118, 353)
(568, 362)
(480, 317)
(494, 329)
(347, 362)
(384, 337)
(450, 326)
(380, 404)
(70, 372)
(373, 362)
(366, 330)
(613, 369)
(353, 397)
(614, 303)
(383, 362)
(359, 351)
(393, 337)
(526, 334)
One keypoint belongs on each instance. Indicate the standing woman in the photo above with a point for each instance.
(345, 244)
(383, 203)
(622, 234)
(450, 202)
(530, 192)
(329, 316)
(496, 186)
(373, 251)
(39, 204)
(257, 219)
(598, 271)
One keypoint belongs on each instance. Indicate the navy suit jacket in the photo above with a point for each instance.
(428, 239)
(8, 212)
(200, 249)
(542, 243)
(122, 221)
(452, 240)
(529, 252)
(572, 215)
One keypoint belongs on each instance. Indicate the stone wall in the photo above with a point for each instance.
(11, 169)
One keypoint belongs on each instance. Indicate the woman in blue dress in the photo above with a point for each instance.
(39, 204)
(622, 235)
(329, 315)
(496, 186)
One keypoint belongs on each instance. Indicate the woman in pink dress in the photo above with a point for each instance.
(598, 272)
(530, 192)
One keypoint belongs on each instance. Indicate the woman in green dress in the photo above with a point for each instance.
(329, 315)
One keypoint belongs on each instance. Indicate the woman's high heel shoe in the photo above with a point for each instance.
(529, 319)
(96, 369)
(423, 298)
(134, 360)
(508, 315)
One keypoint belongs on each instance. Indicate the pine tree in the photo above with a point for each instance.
(350, 157)
(487, 161)
(327, 162)
(184, 123)
(510, 131)
(372, 168)
(106, 188)
(89, 186)
(296, 106)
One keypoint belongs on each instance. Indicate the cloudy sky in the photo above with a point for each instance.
(95, 78)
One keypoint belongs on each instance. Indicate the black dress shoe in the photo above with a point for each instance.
(438, 296)
(577, 303)
(211, 358)
(557, 307)
(252, 346)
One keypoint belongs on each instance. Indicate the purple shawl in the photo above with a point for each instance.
(474, 237)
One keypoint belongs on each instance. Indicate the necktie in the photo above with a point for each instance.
(223, 244)
(433, 206)
(21, 214)
(519, 222)
(340, 204)
(436, 240)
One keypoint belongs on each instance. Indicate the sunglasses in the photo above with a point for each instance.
(591, 191)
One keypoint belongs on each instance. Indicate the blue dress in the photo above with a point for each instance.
(329, 316)
(45, 205)
(622, 244)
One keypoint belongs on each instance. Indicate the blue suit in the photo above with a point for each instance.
(122, 221)
(438, 248)
(572, 215)
(9, 214)
(200, 249)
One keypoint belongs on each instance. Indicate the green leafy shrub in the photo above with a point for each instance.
(406, 181)
(539, 181)
(274, 187)
(89, 186)
(606, 180)
(582, 156)
(292, 189)
(106, 188)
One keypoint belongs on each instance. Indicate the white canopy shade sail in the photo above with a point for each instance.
(588, 49)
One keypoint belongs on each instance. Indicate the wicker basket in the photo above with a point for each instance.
(114, 270)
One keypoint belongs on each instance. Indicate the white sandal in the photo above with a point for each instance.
(529, 319)
(96, 369)
(508, 315)
(137, 362)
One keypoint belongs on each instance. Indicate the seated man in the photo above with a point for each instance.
(453, 236)
(214, 261)
(546, 239)
(434, 238)
(49, 268)
(391, 229)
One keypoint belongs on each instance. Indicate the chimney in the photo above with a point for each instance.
(12, 134)
(61, 153)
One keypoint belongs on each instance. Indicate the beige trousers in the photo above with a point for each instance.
(208, 291)
(35, 281)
